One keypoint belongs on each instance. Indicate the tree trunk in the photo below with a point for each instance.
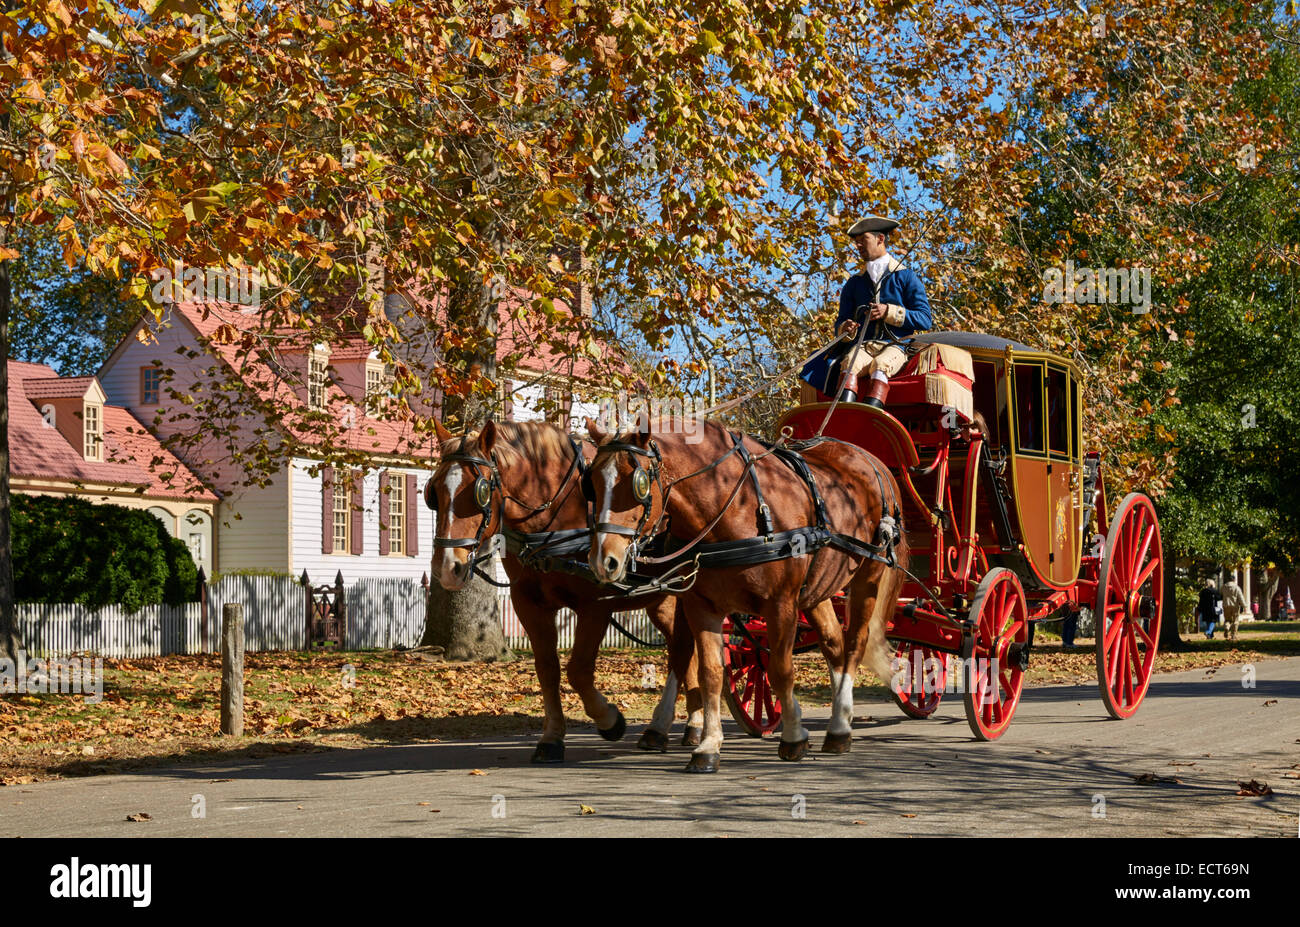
(466, 623)
(9, 642)
(1170, 640)
(1268, 589)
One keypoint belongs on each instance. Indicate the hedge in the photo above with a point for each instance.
(70, 550)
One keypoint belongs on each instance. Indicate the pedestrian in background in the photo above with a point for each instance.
(1234, 603)
(1209, 607)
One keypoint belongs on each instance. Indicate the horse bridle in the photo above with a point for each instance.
(485, 488)
(485, 491)
(642, 480)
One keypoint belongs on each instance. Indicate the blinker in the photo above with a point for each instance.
(641, 485)
(430, 497)
(482, 492)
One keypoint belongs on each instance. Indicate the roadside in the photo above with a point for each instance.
(165, 710)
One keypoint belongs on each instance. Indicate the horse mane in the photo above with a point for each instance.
(532, 440)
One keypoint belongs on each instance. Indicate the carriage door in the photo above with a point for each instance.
(1063, 474)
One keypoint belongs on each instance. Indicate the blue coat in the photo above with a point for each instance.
(902, 287)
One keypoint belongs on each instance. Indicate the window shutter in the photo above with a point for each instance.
(358, 514)
(326, 510)
(412, 517)
(385, 500)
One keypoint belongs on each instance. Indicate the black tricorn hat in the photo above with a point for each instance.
(872, 224)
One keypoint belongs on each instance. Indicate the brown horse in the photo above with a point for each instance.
(701, 484)
(523, 478)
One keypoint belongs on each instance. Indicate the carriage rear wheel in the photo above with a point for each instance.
(996, 654)
(921, 677)
(746, 688)
(1129, 603)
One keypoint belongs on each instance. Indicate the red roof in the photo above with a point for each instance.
(365, 434)
(133, 457)
(58, 387)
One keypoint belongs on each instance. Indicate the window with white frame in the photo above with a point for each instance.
(316, 383)
(397, 513)
(93, 445)
(342, 515)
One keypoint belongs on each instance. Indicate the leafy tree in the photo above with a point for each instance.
(69, 550)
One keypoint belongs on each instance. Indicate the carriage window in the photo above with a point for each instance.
(986, 399)
(1075, 436)
(1058, 415)
(1029, 407)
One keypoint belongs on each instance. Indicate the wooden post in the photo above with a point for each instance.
(232, 669)
(203, 609)
(341, 605)
(307, 600)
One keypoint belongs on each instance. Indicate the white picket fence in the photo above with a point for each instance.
(381, 614)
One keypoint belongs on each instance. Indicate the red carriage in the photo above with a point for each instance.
(1008, 525)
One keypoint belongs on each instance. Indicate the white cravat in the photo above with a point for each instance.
(876, 269)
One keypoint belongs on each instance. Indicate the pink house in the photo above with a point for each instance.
(67, 439)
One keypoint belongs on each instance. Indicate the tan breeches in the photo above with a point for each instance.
(873, 357)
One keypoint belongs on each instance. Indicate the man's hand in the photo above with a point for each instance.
(848, 329)
(878, 311)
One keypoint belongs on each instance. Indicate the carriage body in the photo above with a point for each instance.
(1007, 525)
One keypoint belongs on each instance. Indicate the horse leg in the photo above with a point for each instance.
(780, 673)
(707, 629)
(663, 616)
(589, 631)
(686, 668)
(694, 702)
(839, 733)
(539, 625)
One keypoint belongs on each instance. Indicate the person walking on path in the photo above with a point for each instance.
(1234, 603)
(1209, 606)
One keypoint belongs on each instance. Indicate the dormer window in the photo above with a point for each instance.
(150, 385)
(316, 382)
(92, 433)
(376, 385)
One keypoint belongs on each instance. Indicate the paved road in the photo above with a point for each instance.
(903, 778)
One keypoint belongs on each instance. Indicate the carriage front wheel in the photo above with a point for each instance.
(746, 688)
(1130, 591)
(919, 679)
(996, 654)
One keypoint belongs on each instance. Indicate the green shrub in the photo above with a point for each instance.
(71, 550)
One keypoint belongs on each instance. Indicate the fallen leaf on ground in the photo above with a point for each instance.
(477, 772)
(587, 809)
(909, 815)
(1271, 701)
(1153, 779)
(139, 816)
(1253, 787)
(422, 803)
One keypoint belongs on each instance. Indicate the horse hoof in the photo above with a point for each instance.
(703, 763)
(549, 752)
(692, 736)
(837, 743)
(617, 731)
(792, 750)
(653, 740)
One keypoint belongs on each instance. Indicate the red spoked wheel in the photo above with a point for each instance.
(747, 690)
(996, 654)
(919, 680)
(1130, 595)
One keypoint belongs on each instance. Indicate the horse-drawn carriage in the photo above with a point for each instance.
(1004, 514)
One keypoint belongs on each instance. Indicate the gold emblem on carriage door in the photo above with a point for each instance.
(1061, 503)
